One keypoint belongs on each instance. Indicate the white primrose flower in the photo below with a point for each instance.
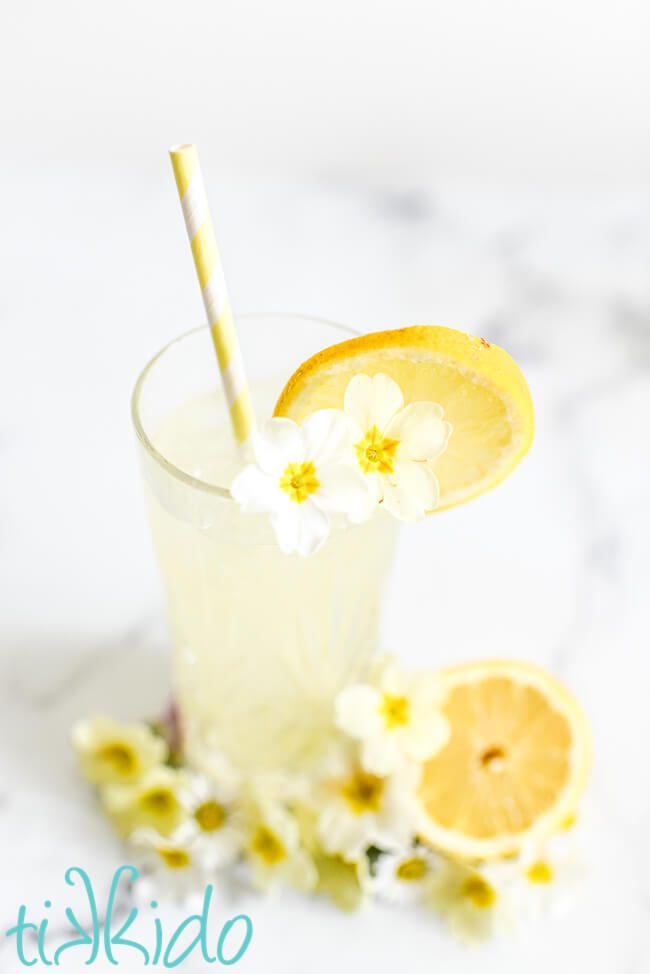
(395, 445)
(215, 818)
(300, 474)
(401, 877)
(273, 848)
(396, 716)
(357, 809)
(176, 867)
(553, 871)
(474, 902)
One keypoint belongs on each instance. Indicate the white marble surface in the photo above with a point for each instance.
(552, 567)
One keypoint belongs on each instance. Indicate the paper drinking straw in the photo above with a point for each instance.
(185, 163)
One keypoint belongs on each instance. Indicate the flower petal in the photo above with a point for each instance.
(357, 711)
(300, 871)
(388, 400)
(342, 488)
(402, 787)
(314, 529)
(424, 738)
(421, 431)
(300, 527)
(374, 493)
(393, 832)
(414, 492)
(381, 754)
(340, 831)
(337, 759)
(284, 520)
(427, 691)
(278, 442)
(281, 822)
(359, 401)
(327, 437)
(389, 674)
(255, 490)
(372, 402)
(217, 778)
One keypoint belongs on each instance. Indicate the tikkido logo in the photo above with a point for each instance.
(190, 937)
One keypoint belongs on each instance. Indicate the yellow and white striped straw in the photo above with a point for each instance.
(185, 163)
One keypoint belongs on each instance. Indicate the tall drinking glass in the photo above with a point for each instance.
(262, 641)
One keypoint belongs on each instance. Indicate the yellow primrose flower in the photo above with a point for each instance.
(395, 445)
(273, 850)
(157, 801)
(358, 809)
(110, 751)
(396, 716)
(345, 881)
(470, 900)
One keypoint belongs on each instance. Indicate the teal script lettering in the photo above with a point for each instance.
(230, 940)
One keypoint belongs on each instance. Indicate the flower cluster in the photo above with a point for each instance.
(348, 829)
(375, 452)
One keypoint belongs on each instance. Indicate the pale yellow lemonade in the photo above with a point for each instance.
(262, 640)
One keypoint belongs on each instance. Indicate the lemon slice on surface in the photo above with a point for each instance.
(480, 388)
(515, 765)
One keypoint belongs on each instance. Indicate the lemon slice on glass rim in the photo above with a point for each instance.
(480, 388)
(515, 765)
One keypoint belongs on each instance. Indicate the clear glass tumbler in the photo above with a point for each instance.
(262, 641)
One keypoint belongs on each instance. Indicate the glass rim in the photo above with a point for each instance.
(154, 453)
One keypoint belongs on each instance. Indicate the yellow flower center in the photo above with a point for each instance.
(480, 893)
(411, 870)
(395, 710)
(210, 816)
(267, 846)
(174, 858)
(374, 453)
(120, 756)
(540, 872)
(299, 481)
(363, 792)
(158, 801)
